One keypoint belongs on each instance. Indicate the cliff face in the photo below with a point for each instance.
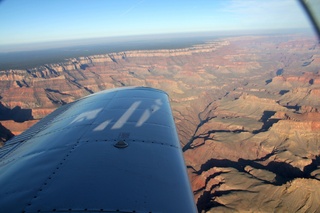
(247, 111)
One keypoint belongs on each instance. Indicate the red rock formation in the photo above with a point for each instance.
(308, 78)
(17, 128)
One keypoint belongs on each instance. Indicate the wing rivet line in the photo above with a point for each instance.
(121, 144)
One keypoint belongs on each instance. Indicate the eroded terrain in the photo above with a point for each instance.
(247, 111)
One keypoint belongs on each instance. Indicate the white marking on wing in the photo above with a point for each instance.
(102, 126)
(86, 116)
(124, 118)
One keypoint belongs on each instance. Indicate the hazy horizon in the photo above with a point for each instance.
(31, 55)
(35, 54)
(31, 46)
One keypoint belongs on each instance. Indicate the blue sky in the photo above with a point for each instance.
(28, 21)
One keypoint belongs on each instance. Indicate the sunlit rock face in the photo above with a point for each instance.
(247, 111)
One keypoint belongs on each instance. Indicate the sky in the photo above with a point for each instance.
(29, 21)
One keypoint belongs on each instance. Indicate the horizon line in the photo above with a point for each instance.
(55, 44)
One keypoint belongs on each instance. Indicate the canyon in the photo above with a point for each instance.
(247, 110)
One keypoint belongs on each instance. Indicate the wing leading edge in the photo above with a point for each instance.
(113, 151)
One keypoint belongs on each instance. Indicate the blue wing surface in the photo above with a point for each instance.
(113, 151)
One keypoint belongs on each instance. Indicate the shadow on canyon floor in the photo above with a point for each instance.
(284, 172)
(16, 114)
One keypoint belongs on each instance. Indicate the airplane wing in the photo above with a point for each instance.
(113, 151)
